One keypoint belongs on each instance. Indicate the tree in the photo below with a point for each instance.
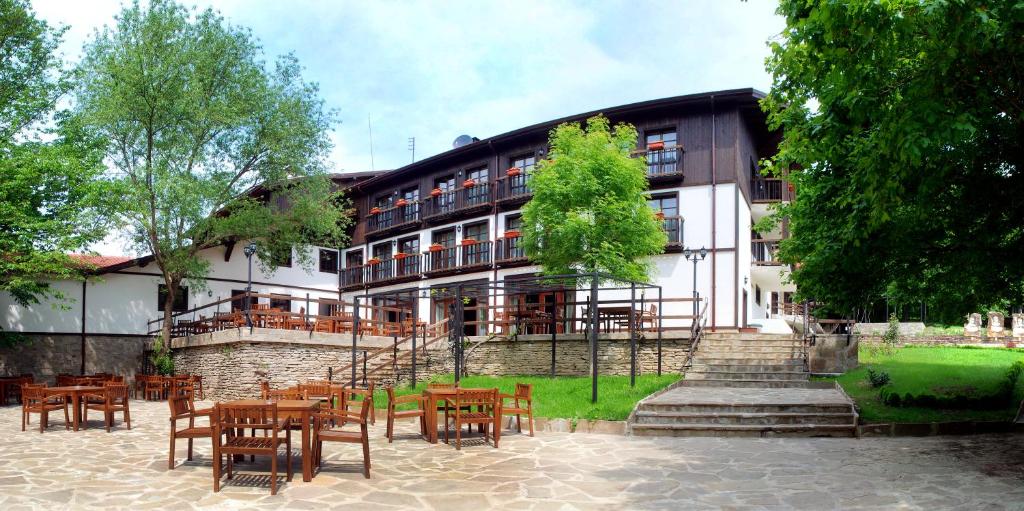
(910, 164)
(589, 210)
(208, 144)
(50, 191)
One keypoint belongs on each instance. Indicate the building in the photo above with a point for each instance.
(453, 217)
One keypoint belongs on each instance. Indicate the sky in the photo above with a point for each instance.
(434, 70)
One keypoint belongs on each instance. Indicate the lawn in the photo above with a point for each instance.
(565, 396)
(935, 370)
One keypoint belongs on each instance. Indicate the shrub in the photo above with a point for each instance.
(878, 379)
(161, 359)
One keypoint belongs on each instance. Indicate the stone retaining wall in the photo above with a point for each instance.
(231, 369)
(47, 355)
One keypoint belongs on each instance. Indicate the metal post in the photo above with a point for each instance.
(305, 320)
(593, 337)
(632, 334)
(660, 312)
(457, 332)
(355, 335)
(554, 336)
(364, 368)
(415, 328)
(695, 286)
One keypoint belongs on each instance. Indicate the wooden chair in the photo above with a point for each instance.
(352, 396)
(522, 405)
(183, 407)
(394, 413)
(35, 400)
(154, 388)
(264, 389)
(329, 426)
(229, 422)
(488, 413)
(316, 389)
(285, 394)
(113, 399)
(443, 386)
(650, 317)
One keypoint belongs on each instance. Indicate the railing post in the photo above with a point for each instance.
(305, 320)
(554, 337)
(660, 313)
(415, 329)
(632, 334)
(593, 337)
(355, 335)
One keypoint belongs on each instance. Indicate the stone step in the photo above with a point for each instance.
(773, 350)
(746, 360)
(702, 407)
(763, 384)
(733, 430)
(740, 367)
(712, 336)
(750, 342)
(769, 376)
(744, 418)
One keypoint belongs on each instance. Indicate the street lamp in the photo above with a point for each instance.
(695, 255)
(249, 250)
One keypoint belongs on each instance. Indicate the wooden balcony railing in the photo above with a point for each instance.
(509, 250)
(673, 226)
(477, 254)
(666, 162)
(763, 252)
(459, 199)
(512, 188)
(407, 265)
(437, 261)
(767, 189)
(392, 218)
(353, 277)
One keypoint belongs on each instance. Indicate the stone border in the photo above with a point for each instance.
(896, 429)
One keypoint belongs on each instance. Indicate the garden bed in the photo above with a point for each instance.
(944, 372)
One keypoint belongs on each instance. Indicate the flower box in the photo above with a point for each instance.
(512, 233)
(401, 203)
(375, 210)
(436, 192)
(468, 242)
(514, 171)
(656, 146)
(373, 261)
(401, 255)
(436, 247)
(469, 183)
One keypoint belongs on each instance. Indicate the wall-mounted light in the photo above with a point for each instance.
(458, 228)
(209, 293)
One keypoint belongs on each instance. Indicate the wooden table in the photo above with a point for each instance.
(434, 396)
(300, 410)
(75, 391)
(609, 315)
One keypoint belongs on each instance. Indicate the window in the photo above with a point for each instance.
(524, 162)
(478, 174)
(281, 302)
(411, 194)
(180, 298)
(757, 294)
(353, 258)
(328, 260)
(382, 251)
(239, 303)
(664, 160)
(514, 222)
(481, 193)
(382, 202)
(477, 231)
(409, 245)
(281, 257)
(445, 237)
(325, 309)
(446, 183)
(667, 204)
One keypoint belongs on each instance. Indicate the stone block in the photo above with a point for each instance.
(868, 430)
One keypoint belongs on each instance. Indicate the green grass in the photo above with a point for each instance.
(934, 370)
(565, 396)
(933, 330)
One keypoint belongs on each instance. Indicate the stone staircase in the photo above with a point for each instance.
(747, 385)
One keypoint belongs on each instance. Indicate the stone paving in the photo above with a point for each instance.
(124, 469)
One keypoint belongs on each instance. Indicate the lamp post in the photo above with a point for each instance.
(249, 250)
(695, 255)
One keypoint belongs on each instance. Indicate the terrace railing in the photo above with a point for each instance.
(476, 254)
(767, 189)
(763, 252)
(394, 218)
(460, 199)
(673, 226)
(512, 188)
(663, 161)
(509, 250)
(436, 261)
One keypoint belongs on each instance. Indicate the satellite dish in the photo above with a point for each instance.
(462, 140)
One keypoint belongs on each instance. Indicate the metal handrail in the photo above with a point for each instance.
(696, 333)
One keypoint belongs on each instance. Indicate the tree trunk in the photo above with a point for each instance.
(165, 332)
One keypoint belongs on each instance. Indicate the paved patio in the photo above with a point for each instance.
(125, 469)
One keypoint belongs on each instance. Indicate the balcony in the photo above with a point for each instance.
(460, 200)
(509, 251)
(673, 226)
(512, 190)
(763, 253)
(456, 259)
(401, 268)
(766, 189)
(394, 219)
(663, 163)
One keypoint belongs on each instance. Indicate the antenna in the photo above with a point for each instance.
(412, 147)
(369, 127)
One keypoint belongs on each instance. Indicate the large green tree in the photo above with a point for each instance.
(50, 200)
(209, 143)
(589, 210)
(903, 123)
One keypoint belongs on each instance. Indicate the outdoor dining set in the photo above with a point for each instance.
(104, 393)
(324, 411)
